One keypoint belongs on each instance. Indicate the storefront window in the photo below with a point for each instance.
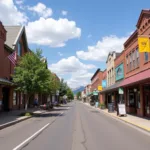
(14, 98)
(131, 100)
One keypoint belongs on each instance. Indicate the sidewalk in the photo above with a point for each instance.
(142, 123)
(13, 117)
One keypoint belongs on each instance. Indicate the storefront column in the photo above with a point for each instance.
(1, 97)
(11, 98)
(141, 101)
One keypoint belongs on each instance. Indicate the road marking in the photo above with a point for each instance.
(20, 146)
(28, 140)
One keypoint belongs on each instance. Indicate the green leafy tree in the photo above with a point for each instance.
(63, 88)
(31, 75)
(70, 94)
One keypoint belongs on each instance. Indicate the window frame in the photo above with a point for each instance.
(145, 57)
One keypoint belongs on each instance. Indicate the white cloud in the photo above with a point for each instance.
(51, 32)
(19, 2)
(10, 15)
(41, 10)
(100, 51)
(64, 13)
(80, 78)
(69, 65)
(60, 54)
(72, 66)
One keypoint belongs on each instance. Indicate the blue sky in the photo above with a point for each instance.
(75, 36)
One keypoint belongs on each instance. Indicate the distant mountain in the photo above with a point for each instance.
(76, 90)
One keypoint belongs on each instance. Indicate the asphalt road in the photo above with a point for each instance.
(84, 128)
(79, 128)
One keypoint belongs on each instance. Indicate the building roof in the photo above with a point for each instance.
(13, 34)
(5, 81)
(111, 53)
(98, 70)
(143, 12)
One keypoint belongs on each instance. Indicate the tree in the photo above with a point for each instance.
(31, 75)
(78, 95)
(70, 94)
(63, 88)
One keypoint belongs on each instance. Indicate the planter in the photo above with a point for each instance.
(102, 107)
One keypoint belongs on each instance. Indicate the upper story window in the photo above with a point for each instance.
(137, 57)
(146, 56)
(130, 61)
(19, 49)
(127, 63)
(133, 57)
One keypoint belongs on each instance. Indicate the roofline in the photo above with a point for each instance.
(98, 70)
(8, 48)
(141, 14)
(131, 36)
(18, 36)
(110, 53)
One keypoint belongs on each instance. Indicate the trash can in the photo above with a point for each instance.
(110, 107)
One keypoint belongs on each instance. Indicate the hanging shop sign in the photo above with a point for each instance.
(144, 44)
(121, 109)
(120, 91)
(100, 88)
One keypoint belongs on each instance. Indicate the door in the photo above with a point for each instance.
(5, 98)
(147, 103)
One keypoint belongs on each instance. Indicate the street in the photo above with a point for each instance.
(78, 127)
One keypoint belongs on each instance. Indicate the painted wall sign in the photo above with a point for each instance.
(119, 72)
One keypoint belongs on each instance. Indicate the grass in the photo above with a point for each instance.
(28, 114)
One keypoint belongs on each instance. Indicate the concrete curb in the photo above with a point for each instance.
(12, 123)
(17, 121)
(126, 121)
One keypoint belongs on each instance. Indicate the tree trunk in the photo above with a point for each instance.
(27, 100)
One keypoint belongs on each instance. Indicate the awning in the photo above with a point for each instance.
(5, 81)
(112, 87)
(136, 78)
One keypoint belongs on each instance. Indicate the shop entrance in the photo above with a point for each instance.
(147, 100)
(5, 102)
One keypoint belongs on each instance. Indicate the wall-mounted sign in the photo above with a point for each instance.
(144, 44)
(104, 83)
(119, 72)
(120, 91)
(100, 88)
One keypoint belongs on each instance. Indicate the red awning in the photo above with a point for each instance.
(136, 78)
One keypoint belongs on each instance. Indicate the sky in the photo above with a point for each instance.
(75, 35)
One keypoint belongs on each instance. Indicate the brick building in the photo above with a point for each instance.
(12, 38)
(137, 70)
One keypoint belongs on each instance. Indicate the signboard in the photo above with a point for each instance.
(144, 44)
(120, 91)
(119, 72)
(121, 109)
(104, 83)
(100, 88)
(95, 92)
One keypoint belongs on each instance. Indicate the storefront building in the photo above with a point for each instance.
(96, 81)
(137, 70)
(109, 93)
(12, 38)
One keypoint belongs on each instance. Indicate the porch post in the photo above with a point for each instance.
(141, 101)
